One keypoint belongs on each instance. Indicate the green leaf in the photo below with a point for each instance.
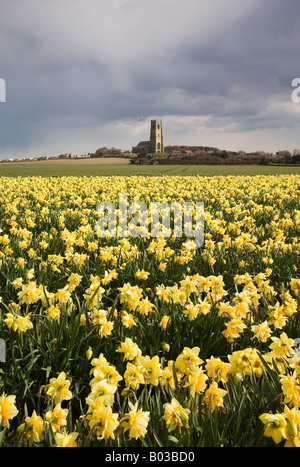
(173, 439)
(2, 434)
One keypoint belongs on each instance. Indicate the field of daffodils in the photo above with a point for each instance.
(150, 340)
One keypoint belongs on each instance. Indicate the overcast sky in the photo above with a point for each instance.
(82, 74)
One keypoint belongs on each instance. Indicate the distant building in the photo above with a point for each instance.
(142, 148)
(155, 145)
(181, 154)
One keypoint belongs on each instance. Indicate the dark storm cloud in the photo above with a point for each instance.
(249, 63)
(73, 68)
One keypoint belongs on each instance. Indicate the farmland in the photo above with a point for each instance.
(149, 341)
(122, 167)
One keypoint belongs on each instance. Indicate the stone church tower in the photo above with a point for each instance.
(155, 145)
(156, 137)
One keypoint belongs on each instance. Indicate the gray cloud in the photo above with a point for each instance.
(75, 70)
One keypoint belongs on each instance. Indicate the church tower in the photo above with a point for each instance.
(156, 137)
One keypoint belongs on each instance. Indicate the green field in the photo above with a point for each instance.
(88, 168)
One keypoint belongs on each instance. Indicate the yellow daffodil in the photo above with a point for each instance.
(129, 349)
(275, 426)
(175, 415)
(133, 376)
(32, 429)
(214, 396)
(261, 331)
(188, 360)
(8, 409)
(66, 440)
(102, 420)
(57, 417)
(150, 367)
(58, 388)
(135, 421)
